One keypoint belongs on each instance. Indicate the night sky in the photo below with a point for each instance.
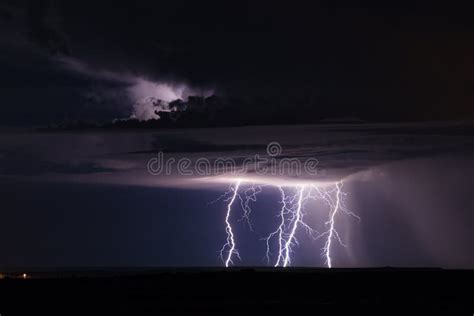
(400, 75)
(390, 61)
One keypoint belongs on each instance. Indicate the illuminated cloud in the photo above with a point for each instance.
(146, 97)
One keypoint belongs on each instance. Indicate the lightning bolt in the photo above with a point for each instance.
(291, 238)
(248, 195)
(334, 198)
(279, 231)
(230, 244)
(332, 230)
(291, 218)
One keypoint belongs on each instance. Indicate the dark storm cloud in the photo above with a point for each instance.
(390, 61)
(364, 60)
(121, 158)
(35, 89)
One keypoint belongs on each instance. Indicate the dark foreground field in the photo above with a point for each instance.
(240, 291)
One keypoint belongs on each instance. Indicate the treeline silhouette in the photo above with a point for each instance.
(217, 111)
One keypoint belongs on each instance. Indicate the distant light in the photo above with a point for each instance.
(24, 275)
(262, 180)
